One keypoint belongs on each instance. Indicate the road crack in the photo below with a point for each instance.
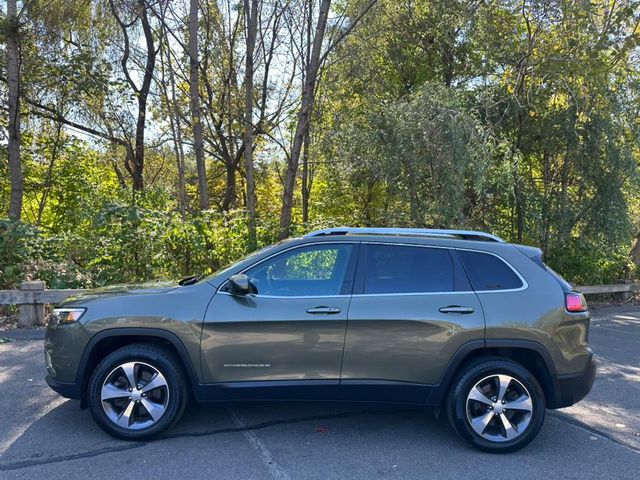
(31, 462)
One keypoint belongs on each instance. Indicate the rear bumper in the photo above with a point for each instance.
(67, 390)
(570, 389)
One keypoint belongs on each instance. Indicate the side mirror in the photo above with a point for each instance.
(239, 284)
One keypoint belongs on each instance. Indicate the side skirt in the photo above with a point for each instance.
(365, 391)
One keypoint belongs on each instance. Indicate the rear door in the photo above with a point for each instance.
(411, 310)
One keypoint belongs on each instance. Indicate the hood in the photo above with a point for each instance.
(149, 288)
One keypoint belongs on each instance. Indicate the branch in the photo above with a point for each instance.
(56, 116)
(348, 30)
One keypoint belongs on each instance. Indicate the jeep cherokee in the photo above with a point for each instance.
(458, 320)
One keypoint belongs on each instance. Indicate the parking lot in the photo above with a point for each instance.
(45, 436)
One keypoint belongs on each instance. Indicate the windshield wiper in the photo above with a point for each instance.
(190, 280)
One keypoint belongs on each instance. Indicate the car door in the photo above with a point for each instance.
(289, 335)
(411, 310)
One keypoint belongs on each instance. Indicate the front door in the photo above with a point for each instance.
(411, 310)
(289, 335)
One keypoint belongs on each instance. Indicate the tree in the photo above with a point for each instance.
(175, 119)
(310, 78)
(224, 93)
(196, 114)
(13, 76)
(139, 11)
(251, 30)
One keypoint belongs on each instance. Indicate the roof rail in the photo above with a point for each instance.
(419, 232)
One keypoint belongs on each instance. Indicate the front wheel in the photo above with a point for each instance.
(137, 392)
(497, 405)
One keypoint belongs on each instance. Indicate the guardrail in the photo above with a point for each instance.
(32, 297)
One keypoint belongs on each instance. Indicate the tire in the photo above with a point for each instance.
(161, 398)
(504, 425)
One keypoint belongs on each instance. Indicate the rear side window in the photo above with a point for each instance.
(406, 269)
(488, 272)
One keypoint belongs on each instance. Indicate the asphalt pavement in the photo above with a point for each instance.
(45, 436)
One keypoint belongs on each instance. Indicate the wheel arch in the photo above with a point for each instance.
(531, 355)
(108, 341)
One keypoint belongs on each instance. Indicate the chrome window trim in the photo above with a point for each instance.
(254, 295)
(412, 294)
(294, 247)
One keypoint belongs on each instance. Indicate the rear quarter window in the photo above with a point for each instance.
(488, 272)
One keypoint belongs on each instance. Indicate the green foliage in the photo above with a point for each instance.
(124, 244)
(89, 231)
(589, 263)
(425, 152)
(27, 254)
(15, 250)
(514, 117)
(517, 118)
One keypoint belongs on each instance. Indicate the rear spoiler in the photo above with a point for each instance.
(535, 255)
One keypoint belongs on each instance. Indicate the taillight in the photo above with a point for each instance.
(575, 302)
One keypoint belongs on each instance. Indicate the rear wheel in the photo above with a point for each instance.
(137, 392)
(497, 405)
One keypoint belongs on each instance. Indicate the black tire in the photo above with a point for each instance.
(459, 413)
(176, 389)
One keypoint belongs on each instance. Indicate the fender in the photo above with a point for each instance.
(525, 345)
(480, 346)
(174, 340)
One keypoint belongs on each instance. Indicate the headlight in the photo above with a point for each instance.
(66, 315)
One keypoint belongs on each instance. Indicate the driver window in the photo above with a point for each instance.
(308, 271)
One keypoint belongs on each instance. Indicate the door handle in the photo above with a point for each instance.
(456, 309)
(323, 310)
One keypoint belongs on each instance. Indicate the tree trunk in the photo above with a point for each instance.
(635, 251)
(230, 191)
(13, 74)
(519, 202)
(196, 115)
(251, 21)
(135, 153)
(306, 187)
(414, 200)
(518, 194)
(448, 59)
(176, 131)
(306, 106)
(138, 182)
(46, 188)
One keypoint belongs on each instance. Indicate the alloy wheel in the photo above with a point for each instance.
(499, 408)
(134, 395)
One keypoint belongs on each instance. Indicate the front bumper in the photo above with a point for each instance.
(67, 390)
(570, 389)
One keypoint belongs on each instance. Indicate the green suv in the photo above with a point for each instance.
(452, 319)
